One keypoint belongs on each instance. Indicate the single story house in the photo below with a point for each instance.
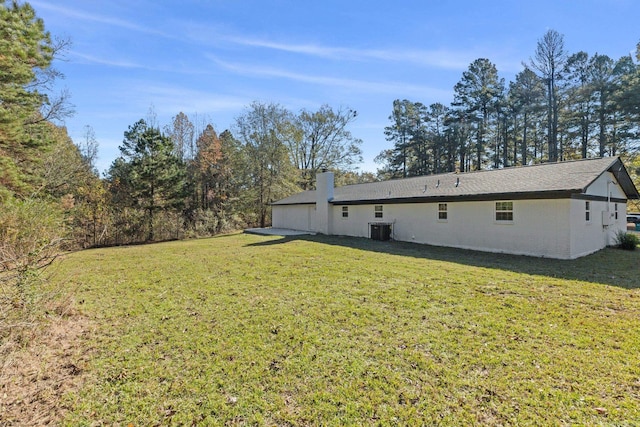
(558, 210)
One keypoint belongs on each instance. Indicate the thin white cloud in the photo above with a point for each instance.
(123, 63)
(172, 99)
(307, 49)
(216, 35)
(110, 62)
(103, 19)
(439, 58)
(429, 58)
(351, 84)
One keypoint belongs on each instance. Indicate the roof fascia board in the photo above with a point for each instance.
(591, 197)
(622, 176)
(292, 204)
(562, 194)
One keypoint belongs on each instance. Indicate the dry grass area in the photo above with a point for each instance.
(39, 367)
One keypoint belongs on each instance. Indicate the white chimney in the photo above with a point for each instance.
(324, 194)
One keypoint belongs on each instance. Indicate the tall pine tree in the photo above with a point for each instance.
(155, 175)
(25, 50)
(478, 93)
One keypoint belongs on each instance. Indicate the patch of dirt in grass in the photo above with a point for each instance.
(34, 378)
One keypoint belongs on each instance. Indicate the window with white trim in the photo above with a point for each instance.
(504, 211)
(442, 211)
(345, 212)
(377, 211)
(587, 211)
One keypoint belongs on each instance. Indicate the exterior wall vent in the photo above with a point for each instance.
(380, 231)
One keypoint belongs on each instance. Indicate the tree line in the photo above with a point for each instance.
(185, 179)
(181, 179)
(561, 106)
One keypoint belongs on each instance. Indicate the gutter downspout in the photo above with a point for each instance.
(607, 226)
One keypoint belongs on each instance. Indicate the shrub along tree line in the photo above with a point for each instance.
(33, 176)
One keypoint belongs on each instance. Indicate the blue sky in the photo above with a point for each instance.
(210, 59)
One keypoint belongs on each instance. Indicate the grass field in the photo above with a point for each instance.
(243, 329)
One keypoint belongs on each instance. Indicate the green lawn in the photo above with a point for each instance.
(257, 330)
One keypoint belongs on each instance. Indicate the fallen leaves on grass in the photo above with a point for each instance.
(34, 379)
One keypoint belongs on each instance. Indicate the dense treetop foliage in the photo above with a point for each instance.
(561, 106)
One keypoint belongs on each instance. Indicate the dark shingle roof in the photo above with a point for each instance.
(537, 181)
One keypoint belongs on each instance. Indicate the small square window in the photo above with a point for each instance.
(378, 211)
(442, 211)
(345, 212)
(504, 211)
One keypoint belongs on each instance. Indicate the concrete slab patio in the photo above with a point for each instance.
(268, 231)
